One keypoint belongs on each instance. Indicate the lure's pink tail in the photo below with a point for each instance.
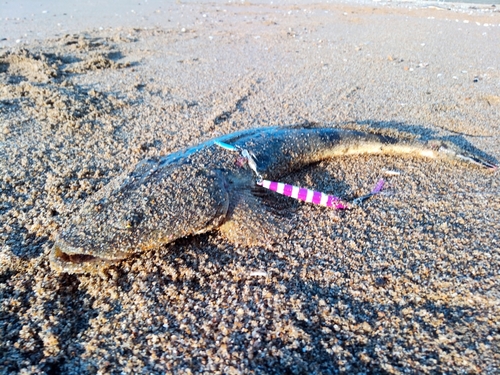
(303, 194)
(378, 188)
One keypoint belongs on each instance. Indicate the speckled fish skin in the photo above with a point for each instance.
(200, 189)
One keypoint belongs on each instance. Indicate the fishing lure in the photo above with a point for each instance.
(303, 194)
(377, 189)
(227, 146)
(246, 157)
(296, 192)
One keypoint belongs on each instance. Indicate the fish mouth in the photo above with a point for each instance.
(70, 259)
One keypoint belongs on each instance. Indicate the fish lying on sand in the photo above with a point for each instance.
(201, 189)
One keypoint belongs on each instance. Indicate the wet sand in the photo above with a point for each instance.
(409, 283)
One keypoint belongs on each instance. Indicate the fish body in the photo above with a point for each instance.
(200, 189)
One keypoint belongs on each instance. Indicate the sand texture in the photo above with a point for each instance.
(409, 283)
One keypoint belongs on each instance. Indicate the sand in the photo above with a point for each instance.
(408, 284)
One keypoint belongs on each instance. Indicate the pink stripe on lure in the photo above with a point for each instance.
(303, 194)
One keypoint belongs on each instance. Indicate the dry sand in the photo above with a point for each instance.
(408, 284)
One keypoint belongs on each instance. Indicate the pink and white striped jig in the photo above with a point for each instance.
(296, 192)
(303, 194)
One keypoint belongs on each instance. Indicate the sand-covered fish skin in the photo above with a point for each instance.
(201, 189)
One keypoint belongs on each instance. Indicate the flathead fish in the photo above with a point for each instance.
(201, 189)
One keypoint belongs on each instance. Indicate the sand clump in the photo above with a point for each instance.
(36, 82)
(408, 283)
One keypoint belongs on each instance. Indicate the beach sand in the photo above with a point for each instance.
(409, 283)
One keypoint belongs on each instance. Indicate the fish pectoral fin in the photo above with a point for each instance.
(249, 223)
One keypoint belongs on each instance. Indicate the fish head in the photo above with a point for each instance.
(138, 211)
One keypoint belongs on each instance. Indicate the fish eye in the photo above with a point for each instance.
(100, 204)
(132, 219)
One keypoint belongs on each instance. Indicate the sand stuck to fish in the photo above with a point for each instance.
(407, 283)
